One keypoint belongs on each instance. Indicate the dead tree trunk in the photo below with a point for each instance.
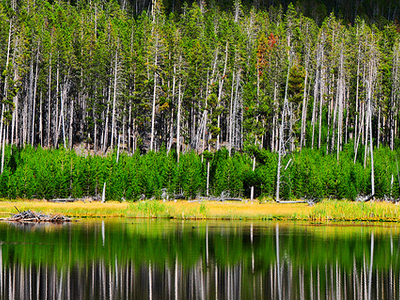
(113, 125)
(153, 111)
(178, 122)
(220, 89)
(281, 150)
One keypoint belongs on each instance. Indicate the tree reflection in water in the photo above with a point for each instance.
(198, 261)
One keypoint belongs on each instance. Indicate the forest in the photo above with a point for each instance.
(254, 98)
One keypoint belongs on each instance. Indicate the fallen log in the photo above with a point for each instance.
(29, 216)
(365, 199)
(224, 197)
(232, 199)
(63, 200)
(292, 202)
(179, 196)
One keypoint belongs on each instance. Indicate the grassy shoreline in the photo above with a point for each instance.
(329, 210)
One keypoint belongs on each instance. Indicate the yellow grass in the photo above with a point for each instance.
(76, 209)
(178, 210)
(238, 210)
(355, 211)
(321, 212)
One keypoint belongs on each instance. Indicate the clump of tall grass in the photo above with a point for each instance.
(354, 211)
(149, 209)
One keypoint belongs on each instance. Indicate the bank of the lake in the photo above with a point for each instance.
(331, 210)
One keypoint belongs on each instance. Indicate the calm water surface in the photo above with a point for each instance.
(131, 259)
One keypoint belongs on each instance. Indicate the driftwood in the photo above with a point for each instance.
(311, 200)
(164, 194)
(365, 198)
(292, 202)
(90, 198)
(223, 197)
(29, 216)
(63, 200)
(226, 197)
(232, 199)
(179, 196)
(84, 199)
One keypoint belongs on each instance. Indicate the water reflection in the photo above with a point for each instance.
(174, 260)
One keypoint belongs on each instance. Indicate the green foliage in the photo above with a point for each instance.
(38, 173)
(266, 172)
(296, 83)
(190, 175)
(151, 209)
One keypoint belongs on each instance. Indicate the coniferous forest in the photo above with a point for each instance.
(254, 98)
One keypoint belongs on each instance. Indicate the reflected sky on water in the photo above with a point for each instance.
(158, 259)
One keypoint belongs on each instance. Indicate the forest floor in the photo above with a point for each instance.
(328, 210)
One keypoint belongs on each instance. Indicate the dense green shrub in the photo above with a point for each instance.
(40, 173)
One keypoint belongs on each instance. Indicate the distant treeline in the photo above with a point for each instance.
(373, 10)
(201, 78)
(311, 174)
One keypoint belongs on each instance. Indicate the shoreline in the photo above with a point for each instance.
(325, 211)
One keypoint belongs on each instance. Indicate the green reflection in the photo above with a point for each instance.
(222, 243)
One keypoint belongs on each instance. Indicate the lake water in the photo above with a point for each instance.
(153, 259)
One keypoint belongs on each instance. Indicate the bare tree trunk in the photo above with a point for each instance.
(130, 128)
(29, 100)
(220, 89)
(333, 121)
(305, 101)
(208, 84)
(105, 135)
(357, 95)
(371, 140)
(40, 119)
(236, 127)
(366, 148)
(341, 96)
(2, 125)
(252, 187)
(205, 115)
(34, 96)
(178, 121)
(208, 178)
(171, 137)
(321, 96)
(231, 114)
(280, 154)
(71, 122)
(14, 122)
(314, 113)
(153, 111)
(103, 195)
(379, 128)
(304, 114)
(113, 125)
(119, 142)
(360, 133)
(63, 96)
(56, 116)
(275, 127)
(395, 93)
(281, 151)
(237, 10)
(2, 150)
(49, 105)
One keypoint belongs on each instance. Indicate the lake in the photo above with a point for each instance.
(162, 259)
